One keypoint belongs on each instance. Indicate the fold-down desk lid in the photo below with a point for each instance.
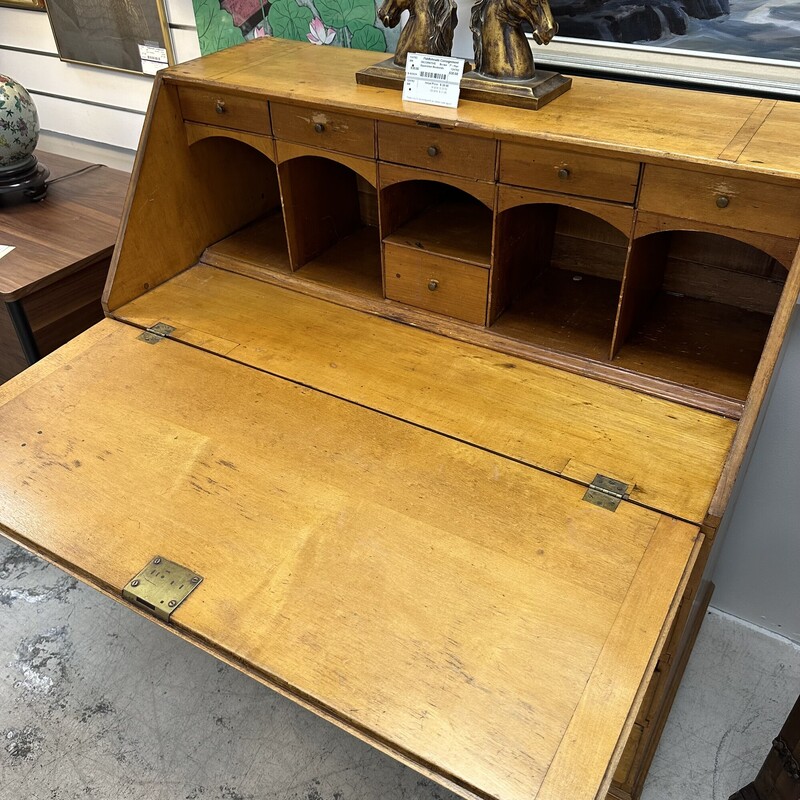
(471, 615)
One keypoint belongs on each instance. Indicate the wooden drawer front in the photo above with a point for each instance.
(225, 110)
(332, 131)
(568, 172)
(438, 150)
(435, 283)
(732, 202)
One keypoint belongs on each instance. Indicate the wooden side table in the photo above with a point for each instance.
(51, 283)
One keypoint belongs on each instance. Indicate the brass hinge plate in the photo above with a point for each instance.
(156, 333)
(161, 587)
(606, 492)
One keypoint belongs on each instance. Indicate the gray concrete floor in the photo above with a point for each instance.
(97, 702)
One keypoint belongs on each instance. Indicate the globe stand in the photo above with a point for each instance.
(23, 182)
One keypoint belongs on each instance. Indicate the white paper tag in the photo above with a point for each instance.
(435, 80)
(5, 249)
(153, 58)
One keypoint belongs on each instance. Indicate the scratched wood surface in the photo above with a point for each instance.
(463, 610)
(561, 422)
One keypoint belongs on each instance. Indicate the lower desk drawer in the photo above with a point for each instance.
(436, 283)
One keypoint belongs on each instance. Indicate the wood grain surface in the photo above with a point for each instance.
(429, 596)
(667, 124)
(564, 423)
(44, 234)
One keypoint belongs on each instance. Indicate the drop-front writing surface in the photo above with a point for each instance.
(431, 596)
(571, 326)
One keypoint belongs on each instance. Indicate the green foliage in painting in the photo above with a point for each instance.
(346, 13)
(368, 37)
(289, 20)
(344, 23)
(215, 28)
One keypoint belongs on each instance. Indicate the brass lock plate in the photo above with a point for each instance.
(161, 587)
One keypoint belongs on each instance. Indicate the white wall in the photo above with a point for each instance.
(758, 563)
(97, 114)
(83, 107)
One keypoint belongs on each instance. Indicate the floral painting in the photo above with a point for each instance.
(336, 23)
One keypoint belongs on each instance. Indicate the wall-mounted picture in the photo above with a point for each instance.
(751, 28)
(31, 5)
(743, 44)
(129, 35)
(334, 23)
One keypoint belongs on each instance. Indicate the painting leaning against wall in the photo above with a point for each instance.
(337, 23)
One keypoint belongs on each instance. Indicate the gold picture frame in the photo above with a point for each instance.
(30, 5)
(128, 36)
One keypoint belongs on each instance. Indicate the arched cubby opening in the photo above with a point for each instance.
(696, 309)
(558, 276)
(331, 218)
(246, 193)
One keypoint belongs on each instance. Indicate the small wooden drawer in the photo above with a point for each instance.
(326, 129)
(728, 201)
(225, 110)
(568, 172)
(436, 283)
(442, 151)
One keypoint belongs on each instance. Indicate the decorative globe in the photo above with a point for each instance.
(19, 125)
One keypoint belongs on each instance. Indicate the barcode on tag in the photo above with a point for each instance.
(435, 80)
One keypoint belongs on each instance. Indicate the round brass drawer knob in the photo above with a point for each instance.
(319, 127)
(433, 150)
(433, 284)
(564, 173)
(220, 106)
(723, 201)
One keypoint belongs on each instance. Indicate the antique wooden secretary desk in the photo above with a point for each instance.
(426, 419)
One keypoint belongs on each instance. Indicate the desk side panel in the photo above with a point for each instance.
(181, 200)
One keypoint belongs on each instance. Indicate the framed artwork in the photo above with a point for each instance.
(752, 45)
(31, 5)
(127, 35)
(336, 23)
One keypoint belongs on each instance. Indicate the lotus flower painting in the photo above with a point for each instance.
(331, 23)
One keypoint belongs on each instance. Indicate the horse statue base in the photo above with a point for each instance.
(387, 75)
(534, 93)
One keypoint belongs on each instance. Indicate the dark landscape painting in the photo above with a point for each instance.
(767, 29)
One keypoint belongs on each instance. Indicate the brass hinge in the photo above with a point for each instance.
(161, 587)
(156, 333)
(606, 492)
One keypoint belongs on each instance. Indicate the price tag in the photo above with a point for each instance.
(153, 58)
(5, 249)
(435, 80)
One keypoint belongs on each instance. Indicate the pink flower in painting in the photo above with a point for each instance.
(259, 32)
(319, 33)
